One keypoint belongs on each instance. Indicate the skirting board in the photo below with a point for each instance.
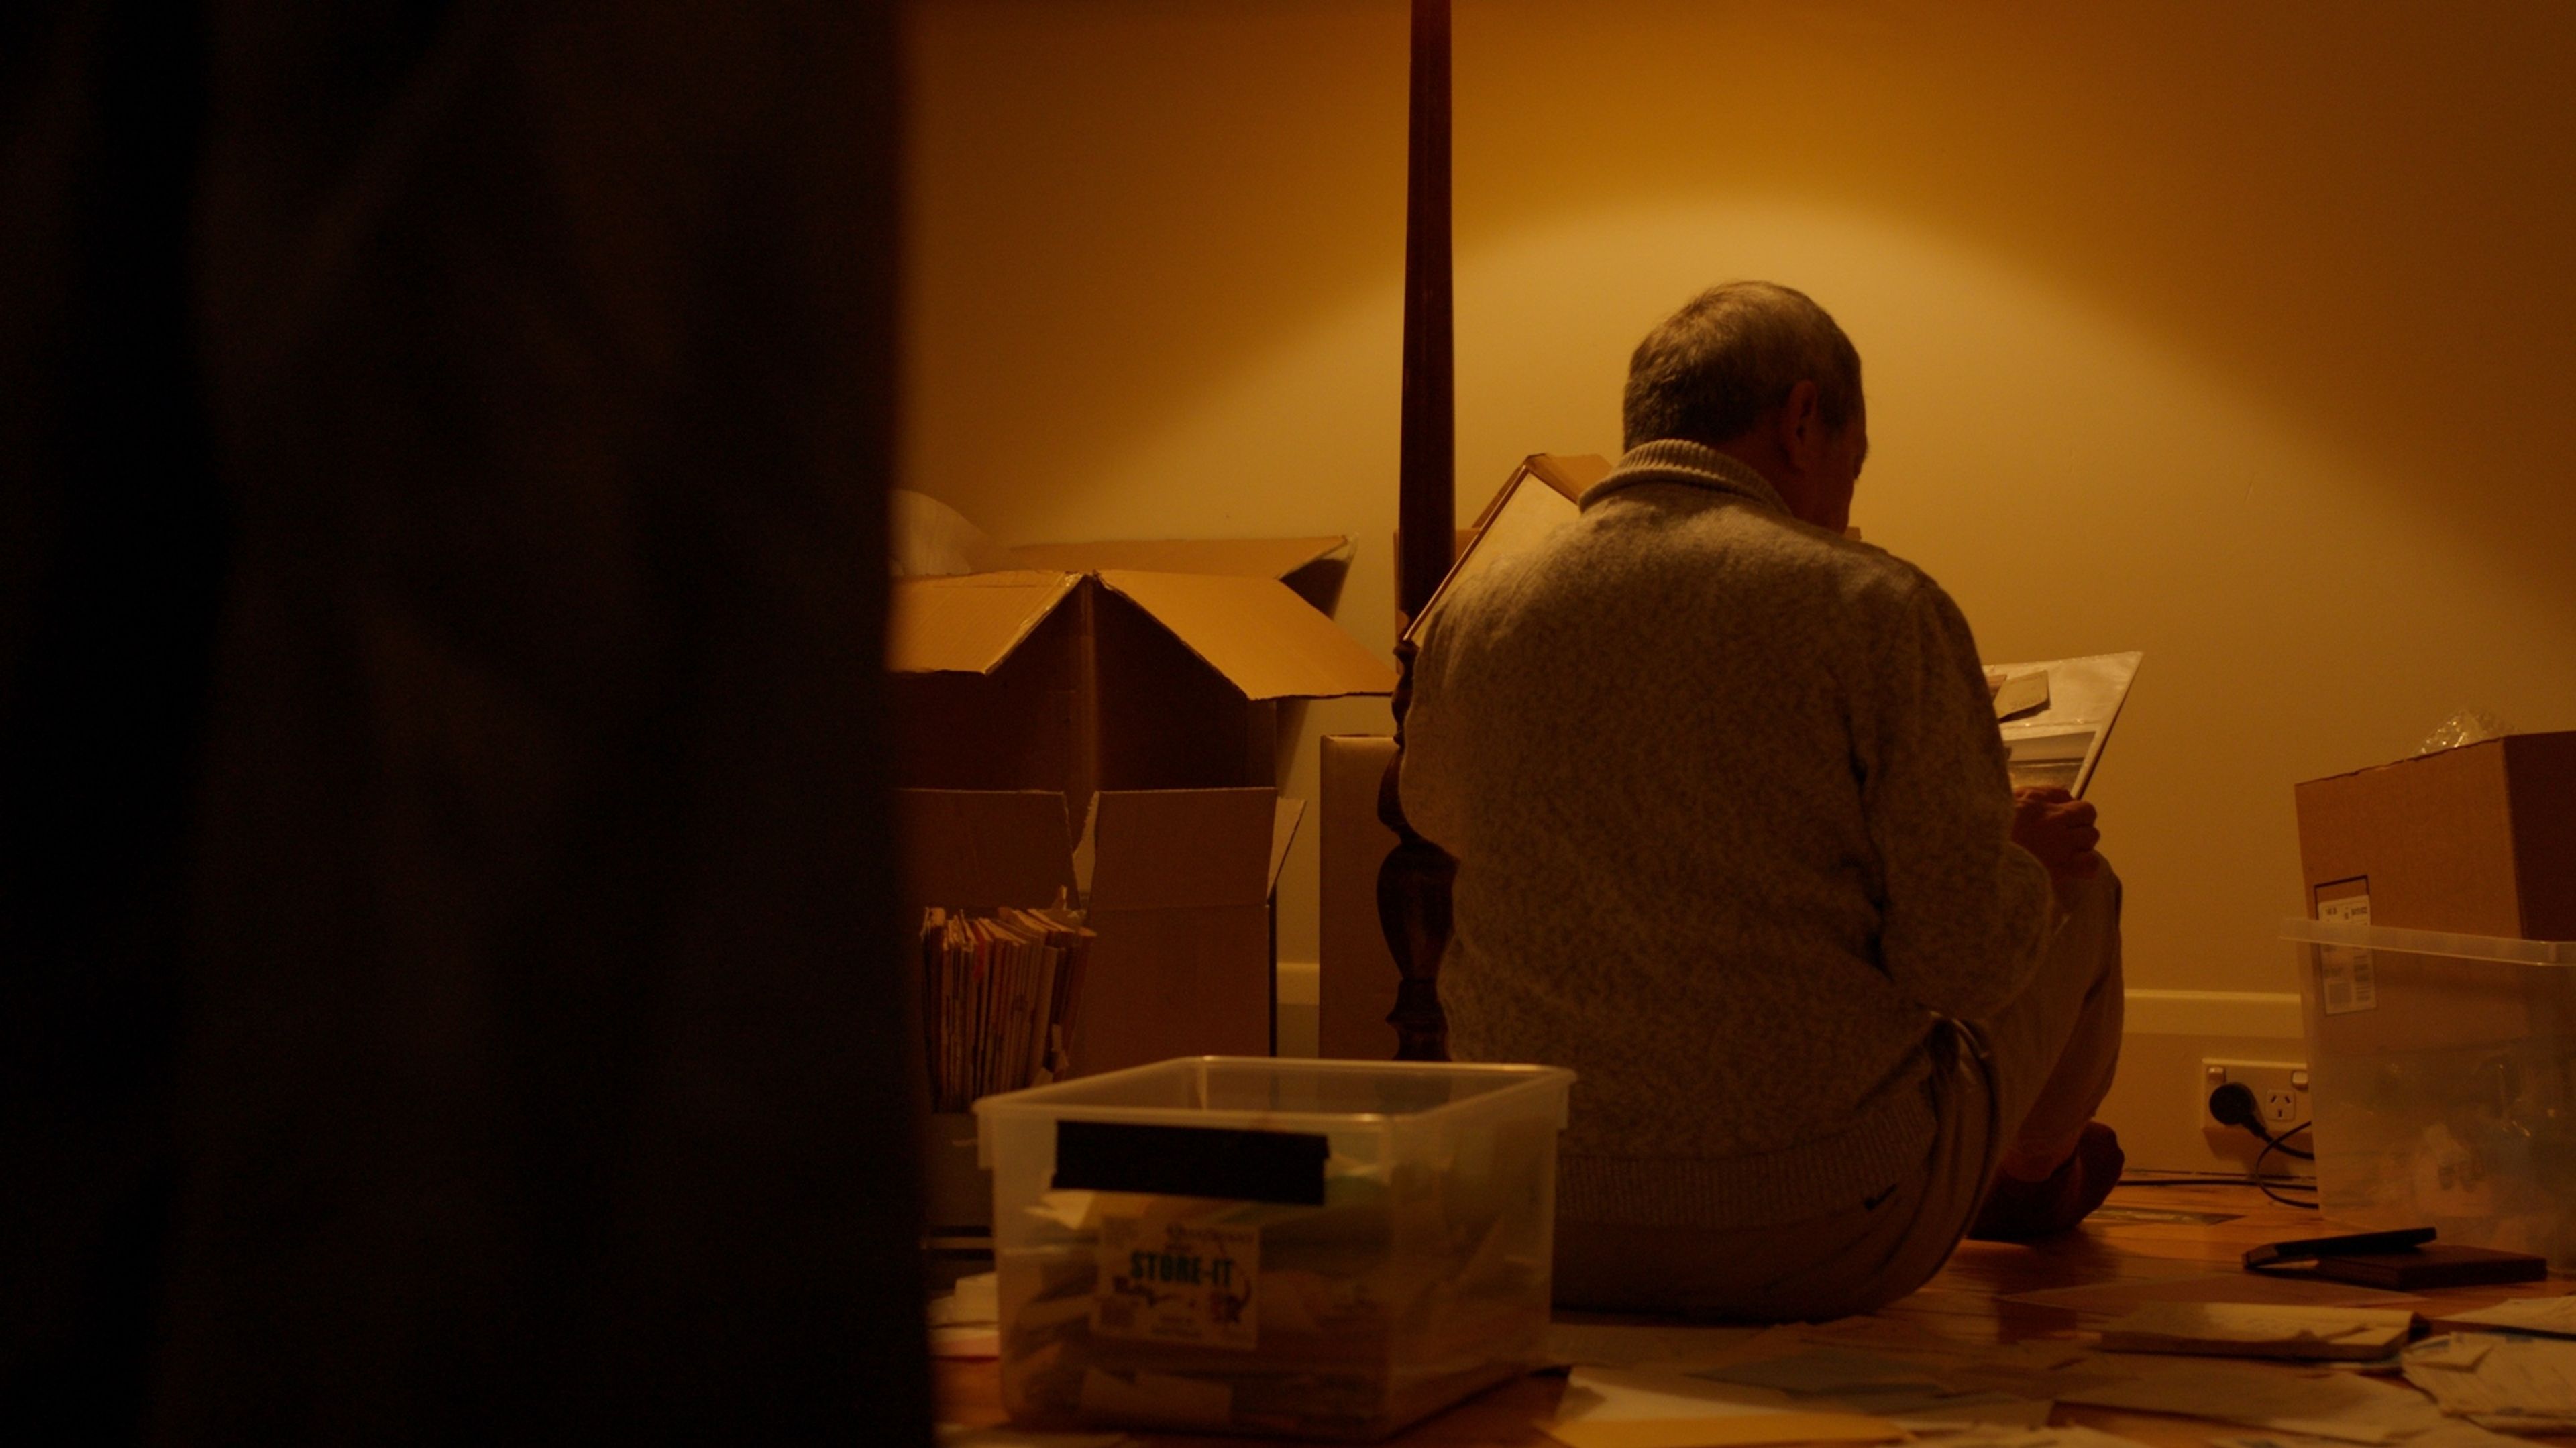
(2270, 1014)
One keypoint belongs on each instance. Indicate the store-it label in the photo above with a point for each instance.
(1177, 1281)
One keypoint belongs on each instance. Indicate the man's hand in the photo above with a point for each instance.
(2058, 828)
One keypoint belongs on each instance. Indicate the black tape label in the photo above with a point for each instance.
(1191, 1161)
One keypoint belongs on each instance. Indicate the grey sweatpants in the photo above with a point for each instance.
(2023, 1080)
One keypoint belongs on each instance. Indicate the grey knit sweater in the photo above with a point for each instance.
(1732, 827)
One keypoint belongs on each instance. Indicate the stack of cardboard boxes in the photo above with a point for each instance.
(1115, 730)
(2438, 993)
(1107, 721)
(2478, 840)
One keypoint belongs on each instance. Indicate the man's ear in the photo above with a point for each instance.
(1801, 426)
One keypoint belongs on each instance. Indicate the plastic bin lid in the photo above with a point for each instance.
(2430, 942)
(1487, 1082)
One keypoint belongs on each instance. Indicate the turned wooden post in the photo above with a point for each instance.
(1413, 904)
(1413, 884)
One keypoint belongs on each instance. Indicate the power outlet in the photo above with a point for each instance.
(2280, 1091)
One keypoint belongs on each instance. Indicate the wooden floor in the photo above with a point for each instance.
(1961, 1303)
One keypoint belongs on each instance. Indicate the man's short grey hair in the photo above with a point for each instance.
(1714, 368)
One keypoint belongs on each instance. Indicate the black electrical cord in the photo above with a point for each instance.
(2271, 1144)
(2285, 1184)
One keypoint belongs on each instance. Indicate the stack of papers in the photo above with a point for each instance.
(2056, 716)
(999, 992)
(967, 1322)
(1911, 1393)
(1623, 1408)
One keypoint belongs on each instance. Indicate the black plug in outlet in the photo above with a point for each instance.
(2234, 1105)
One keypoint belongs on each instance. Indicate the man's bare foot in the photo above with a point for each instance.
(2025, 1211)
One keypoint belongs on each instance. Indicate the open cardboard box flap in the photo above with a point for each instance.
(1264, 639)
(969, 622)
(1258, 633)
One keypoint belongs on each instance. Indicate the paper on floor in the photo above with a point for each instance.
(2343, 1406)
(2111, 1299)
(1824, 1370)
(2519, 1384)
(1622, 1345)
(977, 1299)
(2460, 1351)
(2448, 1433)
(1928, 1414)
(1754, 1428)
(966, 1323)
(954, 1435)
(1892, 1334)
(1841, 1380)
(968, 1343)
(1608, 1395)
(1596, 1396)
(1999, 1383)
(2553, 1315)
(2088, 1371)
(2070, 1436)
(2260, 1330)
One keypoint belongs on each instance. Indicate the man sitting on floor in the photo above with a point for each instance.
(1735, 842)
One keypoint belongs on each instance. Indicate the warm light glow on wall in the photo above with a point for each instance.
(2232, 336)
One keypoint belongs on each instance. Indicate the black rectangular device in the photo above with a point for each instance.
(2356, 1244)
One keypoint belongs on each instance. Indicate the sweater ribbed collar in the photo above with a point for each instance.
(1672, 460)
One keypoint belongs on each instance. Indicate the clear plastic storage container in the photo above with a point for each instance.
(2443, 1073)
(1319, 1249)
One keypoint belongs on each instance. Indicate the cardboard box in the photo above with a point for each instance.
(1178, 883)
(1355, 974)
(2480, 841)
(1114, 730)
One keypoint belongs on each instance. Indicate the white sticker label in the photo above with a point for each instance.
(1177, 1281)
(2346, 980)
